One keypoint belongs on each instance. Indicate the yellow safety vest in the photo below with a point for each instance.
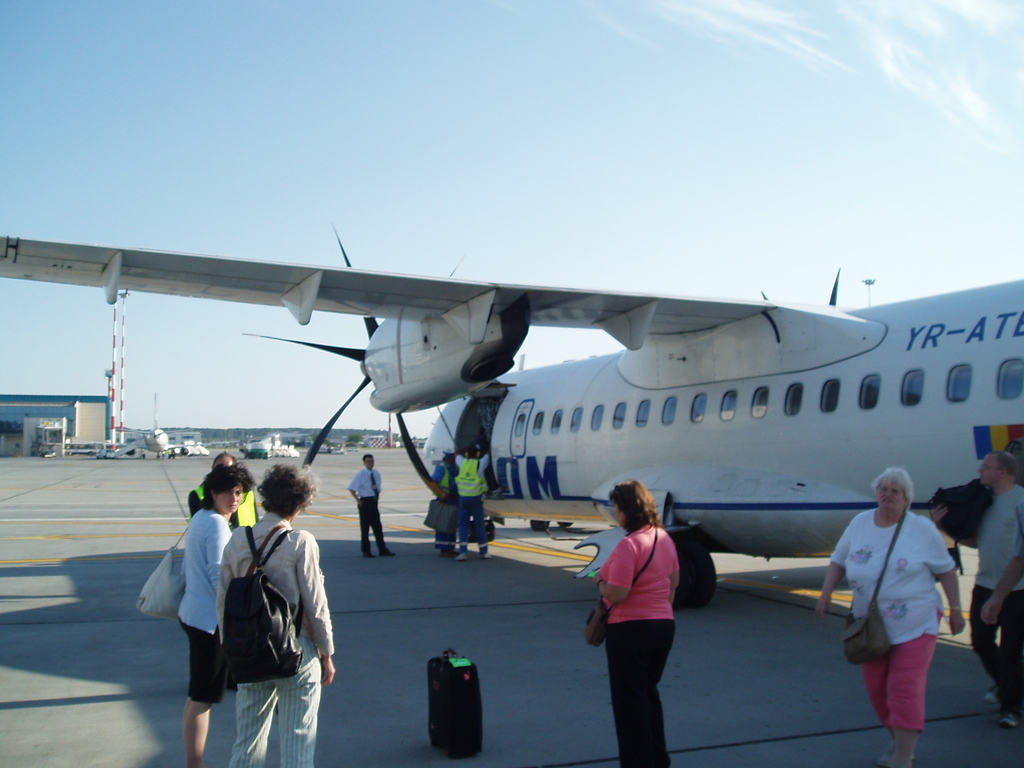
(246, 512)
(446, 481)
(469, 481)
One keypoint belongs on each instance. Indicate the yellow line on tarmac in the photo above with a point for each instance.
(541, 551)
(68, 537)
(836, 598)
(90, 522)
(57, 560)
(506, 545)
(347, 519)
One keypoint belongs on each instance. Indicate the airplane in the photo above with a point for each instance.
(267, 448)
(155, 441)
(758, 425)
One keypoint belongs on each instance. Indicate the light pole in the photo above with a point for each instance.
(868, 283)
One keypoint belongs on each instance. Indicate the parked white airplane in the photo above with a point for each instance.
(758, 425)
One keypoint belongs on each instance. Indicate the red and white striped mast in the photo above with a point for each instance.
(120, 438)
(112, 388)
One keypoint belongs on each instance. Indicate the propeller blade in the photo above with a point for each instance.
(414, 457)
(835, 290)
(371, 323)
(347, 262)
(315, 447)
(352, 354)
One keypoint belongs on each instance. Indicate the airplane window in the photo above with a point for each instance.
(700, 402)
(643, 412)
(794, 398)
(596, 417)
(759, 404)
(577, 419)
(830, 395)
(1011, 379)
(958, 383)
(869, 387)
(538, 423)
(619, 416)
(913, 387)
(728, 405)
(520, 424)
(556, 421)
(668, 411)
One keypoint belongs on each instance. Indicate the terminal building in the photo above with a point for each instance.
(41, 425)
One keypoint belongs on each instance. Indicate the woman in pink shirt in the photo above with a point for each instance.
(638, 582)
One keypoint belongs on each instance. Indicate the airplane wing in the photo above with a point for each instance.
(303, 289)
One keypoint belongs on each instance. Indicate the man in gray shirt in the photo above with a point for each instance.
(997, 603)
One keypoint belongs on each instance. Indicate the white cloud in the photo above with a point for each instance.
(952, 54)
(963, 58)
(759, 21)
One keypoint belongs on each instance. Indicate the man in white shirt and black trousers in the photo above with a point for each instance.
(365, 489)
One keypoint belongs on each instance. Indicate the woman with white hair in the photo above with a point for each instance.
(908, 601)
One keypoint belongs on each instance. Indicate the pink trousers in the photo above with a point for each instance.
(896, 683)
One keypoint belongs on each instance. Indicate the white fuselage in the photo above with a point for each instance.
(760, 480)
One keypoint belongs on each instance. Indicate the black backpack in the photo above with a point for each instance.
(260, 635)
(966, 504)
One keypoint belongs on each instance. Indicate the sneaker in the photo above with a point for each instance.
(992, 697)
(1009, 720)
(461, 557)
(485, 555)
(885, 761)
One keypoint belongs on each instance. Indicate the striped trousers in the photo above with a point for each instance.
(297, 700)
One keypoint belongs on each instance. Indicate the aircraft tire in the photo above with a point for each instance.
(697, 576)
(539, 525)
(490, 529)
(565, 525)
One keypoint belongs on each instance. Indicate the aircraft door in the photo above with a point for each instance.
(520, 424)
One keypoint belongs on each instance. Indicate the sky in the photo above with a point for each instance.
(706, 148)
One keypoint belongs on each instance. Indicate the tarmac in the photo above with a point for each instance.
(755, 678)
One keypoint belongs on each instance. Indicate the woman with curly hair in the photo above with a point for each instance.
(294, 569)
(638, 581)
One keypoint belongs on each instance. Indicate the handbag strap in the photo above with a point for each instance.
(649, 558)
(257, 562)
(878, 584)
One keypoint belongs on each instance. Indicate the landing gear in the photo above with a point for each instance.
(542, 525)
(697, 577)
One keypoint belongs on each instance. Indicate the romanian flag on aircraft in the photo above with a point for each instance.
(996, 437)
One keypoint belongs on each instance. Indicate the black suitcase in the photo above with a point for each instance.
(455, 713)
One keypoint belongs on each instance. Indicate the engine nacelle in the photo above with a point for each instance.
(420, 360)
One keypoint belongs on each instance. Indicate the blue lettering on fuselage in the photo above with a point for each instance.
(542, 484)
(925, 336)
(507, 472)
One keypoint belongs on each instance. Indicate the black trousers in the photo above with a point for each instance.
(637, 653)
(1003, 662)
(369, 517)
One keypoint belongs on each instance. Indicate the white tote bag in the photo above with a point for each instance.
(162, 593)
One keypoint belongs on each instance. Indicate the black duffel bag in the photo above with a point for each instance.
(966, 505)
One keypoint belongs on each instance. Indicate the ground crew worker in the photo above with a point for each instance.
(246, 514)
(472, 464)
(444, 476)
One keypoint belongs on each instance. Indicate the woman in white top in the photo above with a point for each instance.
(208, 533)
(908, 601)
